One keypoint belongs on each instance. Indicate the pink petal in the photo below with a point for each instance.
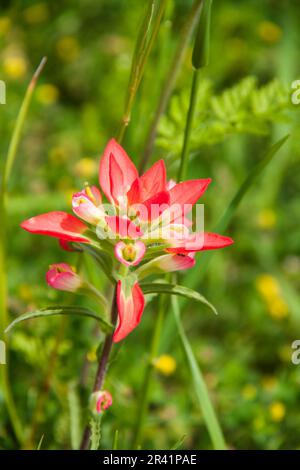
(152, 182)
(186, 194)
(65, 245)
(152, 208)
(87, 205)
(57, 224)
(171, 263)
(200, 242)
(106, 176)
(130, 309)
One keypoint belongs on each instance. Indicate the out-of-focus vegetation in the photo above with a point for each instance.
(244, 105)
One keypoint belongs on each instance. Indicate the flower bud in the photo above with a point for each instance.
(100, 401)
(62, 276)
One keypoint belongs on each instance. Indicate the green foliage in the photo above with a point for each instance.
(244, 108)
(75, 416)
(61, 310)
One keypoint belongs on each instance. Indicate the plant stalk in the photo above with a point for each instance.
(168, 86)
(188, 127)
(143, 403)
(102, 366)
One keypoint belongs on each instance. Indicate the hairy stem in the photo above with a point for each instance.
(102, 366)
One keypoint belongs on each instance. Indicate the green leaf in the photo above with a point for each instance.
(200, 387)
(195, 277)
(174, 289)
(61, 310)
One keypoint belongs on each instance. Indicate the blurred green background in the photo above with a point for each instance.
(244, 105)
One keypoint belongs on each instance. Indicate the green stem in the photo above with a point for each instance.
(4, 319)
(144, 400)
(145, 40)
(171, 78)
(188, 127)
(200, 387)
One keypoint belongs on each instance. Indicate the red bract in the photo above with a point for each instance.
(131, 302)
(147, 217)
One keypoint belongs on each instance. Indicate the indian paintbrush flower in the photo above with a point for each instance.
(62, 276)
(143, 230)
(100, 401)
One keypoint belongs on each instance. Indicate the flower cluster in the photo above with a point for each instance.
(143, 227)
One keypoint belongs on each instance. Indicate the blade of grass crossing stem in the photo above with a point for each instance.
(201, 391)
(8, 165)
(145, 40)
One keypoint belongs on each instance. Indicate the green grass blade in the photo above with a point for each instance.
(201, 391)
(8, 165)
(116, 440)
(65, 310)
(195, 277)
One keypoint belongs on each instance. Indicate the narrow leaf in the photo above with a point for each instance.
(200, 387)
(174, 289)
(64, 310)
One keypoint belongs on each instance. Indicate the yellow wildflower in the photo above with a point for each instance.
(15, 66)
(267, 286)
(277, 411)
(278, 308)
(165, 364)
(85, 168)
